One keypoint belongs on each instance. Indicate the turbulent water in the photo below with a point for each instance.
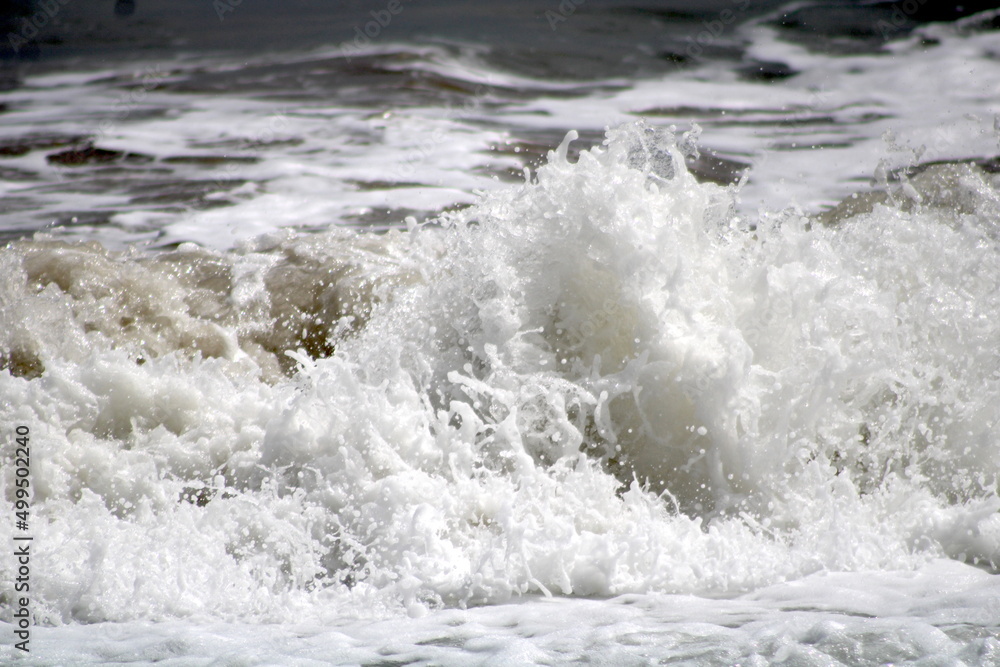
(621, 401)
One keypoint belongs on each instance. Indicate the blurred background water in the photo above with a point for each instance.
(139, 120)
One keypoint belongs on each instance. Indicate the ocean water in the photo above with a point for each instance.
(531, 334)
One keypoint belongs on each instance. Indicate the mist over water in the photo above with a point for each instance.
(453, 361)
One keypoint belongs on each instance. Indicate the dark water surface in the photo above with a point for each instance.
(604, 38)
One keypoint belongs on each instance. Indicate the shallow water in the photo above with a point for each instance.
(593, 396)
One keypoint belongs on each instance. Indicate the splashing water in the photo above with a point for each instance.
(599, 382)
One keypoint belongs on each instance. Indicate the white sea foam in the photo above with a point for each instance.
(600, 383)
